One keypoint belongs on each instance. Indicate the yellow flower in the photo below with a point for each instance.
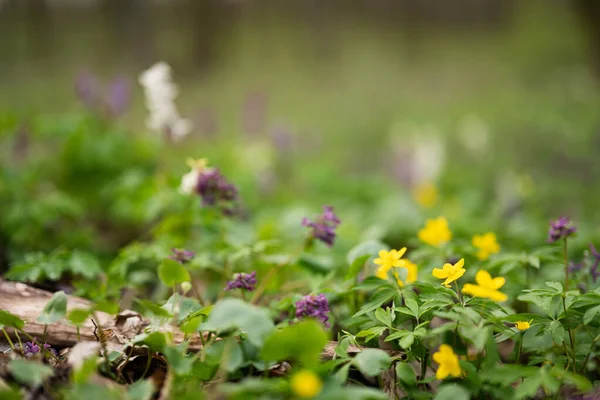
(306, 384)
(450, 272)
(486, 287)
(199, 165)
(448, 362)
(411, 273)
(486, 244)
(426, 195)
(435, 232)
(387, 260)
(523, 325)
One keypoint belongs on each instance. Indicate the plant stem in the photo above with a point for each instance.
(566, 265)
(12, 346)
(460, 298)
(570, 334)
(519, 349)
(424, 361)
(147, 363)
(19, 339)
(102, 342)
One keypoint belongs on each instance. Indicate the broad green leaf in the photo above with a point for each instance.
(156, 341)
(452, 391)
(397, 335)
(303, 342)
(528, 388)
(29, 372)
(407, 341)
(359, 254)
(556, 286)
(85, 264)
(141, 390)
(171, 272)
(10, 320)
(376, 301)
(384, 316)
(412, 305)
(78, 316)
(154, 308)
(54, 310)
(590, 314)
(180, 364)
(557, 331)
(236, 314)
(406, 374)
(371, 362)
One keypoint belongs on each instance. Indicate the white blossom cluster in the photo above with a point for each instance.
(160, 92)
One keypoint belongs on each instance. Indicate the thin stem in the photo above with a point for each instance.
(78, 334)
(566, 265)
(519, 349)
(587, 358)
(12, 346)
(460, 298)
(147, 363)
(19, 339)
(424, 361)
(570, 334)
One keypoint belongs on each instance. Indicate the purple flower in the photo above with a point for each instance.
(87, 89)
(559, 229)
(242, 281)
(214, 189)
(118, 97)
(314, 306)
(182, 256)
(323, 228)
(594, 269)
(31, 348)
(575, 267)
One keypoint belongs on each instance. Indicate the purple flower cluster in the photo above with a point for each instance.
(113, 103)
(594, 270)
(323, 228)
(314, 306)
(242, 281)
(214, 189)
(182, 256)
(31, 348)
(559, 229)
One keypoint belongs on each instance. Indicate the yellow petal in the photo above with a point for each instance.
(439, 273)
(483, 278)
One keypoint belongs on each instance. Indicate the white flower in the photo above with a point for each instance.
(160, 92)
(189, 181)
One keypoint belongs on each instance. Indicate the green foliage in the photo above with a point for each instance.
(302, 342)
(55, 309)
(29, 372)
(171, 272)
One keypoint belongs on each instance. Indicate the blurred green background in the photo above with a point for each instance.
(333, 95)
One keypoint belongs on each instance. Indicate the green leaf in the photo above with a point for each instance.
(180, 364)
(397, 335)
(371, 362)
(156, 341)
(534, 261)
(590, 314)
(85, 264)
(78, 316)
(154, 308)
(407, 341)
(303, 342)
(170, 272)
(87, 368)
(376, 301)
(10, 320)
(528, 388)
(236, 314)
(141, 390)
(406, 375)
(452, 391)
(54, 310)
(557, 331)
(384, 316)
(342, 374)
(29, 372)
(413, 306)
(556, 286)
(356, 266)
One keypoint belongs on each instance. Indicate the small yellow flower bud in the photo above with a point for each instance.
(186, 286)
